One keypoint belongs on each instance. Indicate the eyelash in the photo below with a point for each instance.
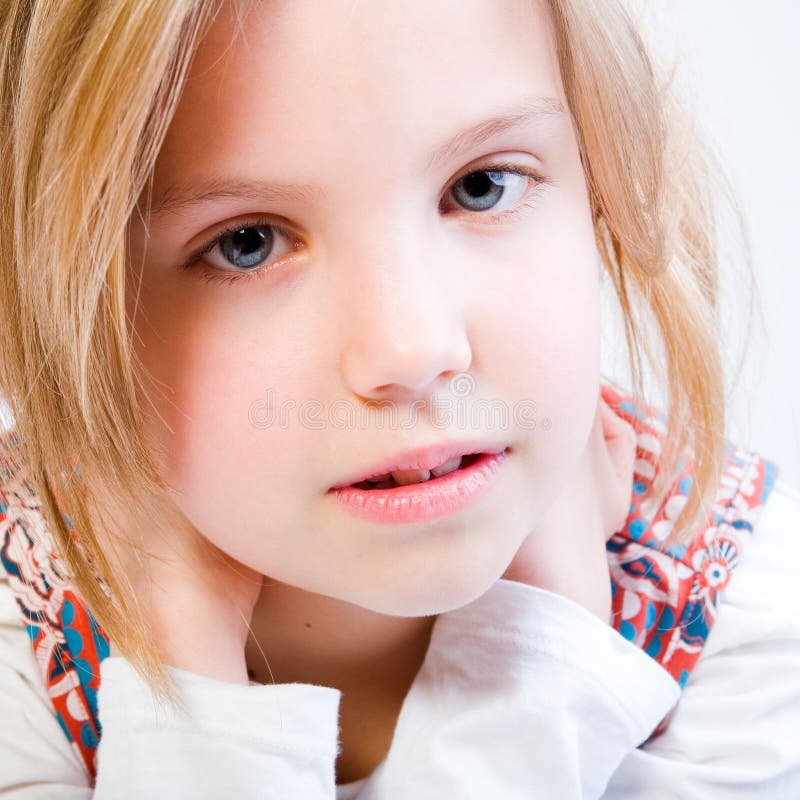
(212, 275)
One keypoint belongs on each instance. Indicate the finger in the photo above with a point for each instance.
(622, 452)
(620, 442)
(613, 424)
(617, 429)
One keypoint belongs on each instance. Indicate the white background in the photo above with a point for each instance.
(738, 63)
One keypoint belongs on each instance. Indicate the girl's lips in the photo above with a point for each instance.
(425, 458)
(419, 502)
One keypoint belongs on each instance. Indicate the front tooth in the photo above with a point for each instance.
(449, 466)
(406, 476)
(380, 478)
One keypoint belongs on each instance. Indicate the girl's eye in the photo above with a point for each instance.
(500, 185)
(246, 247)
(246, 250)
(242, 251)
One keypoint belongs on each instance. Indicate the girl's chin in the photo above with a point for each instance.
(415, 600)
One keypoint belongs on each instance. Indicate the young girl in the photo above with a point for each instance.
(315, 487)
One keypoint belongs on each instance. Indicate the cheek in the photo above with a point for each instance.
(234, 468)
(543, 338)
(547, 321)
(224, 399)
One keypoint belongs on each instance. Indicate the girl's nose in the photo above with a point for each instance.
(404, 329)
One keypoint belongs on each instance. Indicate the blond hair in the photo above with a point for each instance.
(87, 92)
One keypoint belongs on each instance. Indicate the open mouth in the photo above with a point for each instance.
(388, 482)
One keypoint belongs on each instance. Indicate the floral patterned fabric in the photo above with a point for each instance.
(664, 596)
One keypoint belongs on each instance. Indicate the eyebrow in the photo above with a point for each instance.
(179, 197)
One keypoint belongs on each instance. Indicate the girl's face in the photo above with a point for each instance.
(380, 280)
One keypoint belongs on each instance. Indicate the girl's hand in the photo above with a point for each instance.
(199, 602)
(566, 553)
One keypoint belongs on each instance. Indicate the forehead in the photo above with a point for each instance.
(288, 85)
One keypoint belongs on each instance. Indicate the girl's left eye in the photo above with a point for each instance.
(499, 185)
(247, 250)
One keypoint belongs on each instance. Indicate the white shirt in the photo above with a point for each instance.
(522, 694)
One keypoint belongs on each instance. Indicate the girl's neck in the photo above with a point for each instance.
(311, 638)
(371, 658)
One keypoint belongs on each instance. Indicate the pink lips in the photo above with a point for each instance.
(425, 458)
(418, 502)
